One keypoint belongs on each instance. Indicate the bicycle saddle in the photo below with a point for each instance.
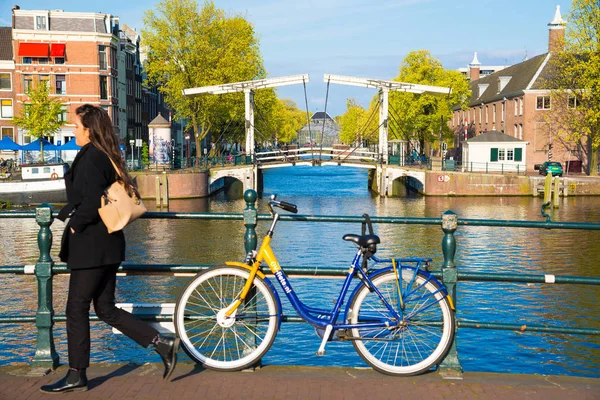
(362, 241)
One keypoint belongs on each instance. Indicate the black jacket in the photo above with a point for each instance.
(91, 245)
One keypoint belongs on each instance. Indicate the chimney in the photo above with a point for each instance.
(474, 68)
(556, 32)
(16, 7)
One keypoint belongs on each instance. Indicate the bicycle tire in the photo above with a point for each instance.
(219, 343)
(409, 349)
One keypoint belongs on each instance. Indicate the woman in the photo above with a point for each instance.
(93, 255)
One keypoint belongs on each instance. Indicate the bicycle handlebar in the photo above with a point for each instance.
(283, 205)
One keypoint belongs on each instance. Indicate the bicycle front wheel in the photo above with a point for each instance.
(410, 346)
(215, 340)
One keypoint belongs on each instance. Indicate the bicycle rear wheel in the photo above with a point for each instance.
(220, 342)
(415, 344)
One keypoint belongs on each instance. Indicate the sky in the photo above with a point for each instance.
(362, 38)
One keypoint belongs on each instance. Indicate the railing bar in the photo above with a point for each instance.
(351, 219)
(461, 323)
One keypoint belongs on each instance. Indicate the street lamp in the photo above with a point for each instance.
(131, 143)
(187, 139)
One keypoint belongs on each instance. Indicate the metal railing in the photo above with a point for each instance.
(46, 356)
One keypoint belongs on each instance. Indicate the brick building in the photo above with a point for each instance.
(87, 58)
(515, 102)
(7, 87)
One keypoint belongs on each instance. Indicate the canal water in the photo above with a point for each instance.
(343, 191)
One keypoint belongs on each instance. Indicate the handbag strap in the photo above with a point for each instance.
(115, 166)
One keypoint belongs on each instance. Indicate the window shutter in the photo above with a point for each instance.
(518, 154)
(494, 154)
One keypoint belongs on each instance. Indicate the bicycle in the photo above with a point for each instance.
(227, 317)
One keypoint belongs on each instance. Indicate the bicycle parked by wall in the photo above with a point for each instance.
(398, 316)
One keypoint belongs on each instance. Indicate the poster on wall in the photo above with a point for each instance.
(160, 146)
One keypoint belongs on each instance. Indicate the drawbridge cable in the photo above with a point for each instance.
(308, 121)
(324, 120)
(361, 131)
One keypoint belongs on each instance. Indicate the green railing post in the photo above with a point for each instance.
(250, 218)
(45, 358)
(450, 367)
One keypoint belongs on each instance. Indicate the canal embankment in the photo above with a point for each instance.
(450, 183)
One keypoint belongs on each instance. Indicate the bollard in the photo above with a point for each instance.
(556, 192)
(46, 358)
(548, 187)
(250, 218)
(450, 367)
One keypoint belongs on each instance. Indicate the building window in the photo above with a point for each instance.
(113, 58)
(62, 117)
(7, 131)
(521, 106)
(573, 102)
(114, 87)
(516, 133)
(26, 60)
(5, 81)
(59, 60)
(521, 131)
(494, 114)
(104, 88)
(509, 154)
(6, 108)
(486, 114)
(503, 110)
(506, 154)
(102, 58)
(27, 83)
(41, 22)
(542, 103)
(42, 60)
(44, 79)
(516, 107)
(61, 84)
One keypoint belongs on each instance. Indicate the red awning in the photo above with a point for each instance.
(33, 50)
(57, 50)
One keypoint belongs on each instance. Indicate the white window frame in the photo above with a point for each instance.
(521, 131)
(38, 26)
(510, 154)
(546, 105)
(12, 129)
(12, 109)
(63, 88)
(516, 107)
(521, 106)
(575, 102)
(10, 81)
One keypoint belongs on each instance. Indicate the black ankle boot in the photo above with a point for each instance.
(167, 348)
(74, 381)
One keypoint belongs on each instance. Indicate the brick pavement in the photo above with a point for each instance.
(143, 382)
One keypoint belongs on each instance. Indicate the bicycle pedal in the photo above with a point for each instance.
(320, 353)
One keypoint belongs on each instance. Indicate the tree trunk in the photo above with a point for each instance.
(41, 150)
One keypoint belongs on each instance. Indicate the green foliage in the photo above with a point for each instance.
(420, 117)
(190, 47)
(285, 120)
(40, 115)
(145, 154)
(575, 74)
(352, 122)
(4, 204)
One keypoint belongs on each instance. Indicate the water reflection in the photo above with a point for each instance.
(340, 191)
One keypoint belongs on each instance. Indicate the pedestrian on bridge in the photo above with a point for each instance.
(93, 255)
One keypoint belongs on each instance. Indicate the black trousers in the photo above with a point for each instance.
(98, 285)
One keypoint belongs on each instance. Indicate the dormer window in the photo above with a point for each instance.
(502, 82)
(482, 87)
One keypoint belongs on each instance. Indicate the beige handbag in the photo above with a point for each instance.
(117, 209)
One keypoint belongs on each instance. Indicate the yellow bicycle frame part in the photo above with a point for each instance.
(265, 253)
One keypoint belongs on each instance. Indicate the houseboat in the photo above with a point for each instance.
(36, 184)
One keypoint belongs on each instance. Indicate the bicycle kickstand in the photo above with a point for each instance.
(321, 351)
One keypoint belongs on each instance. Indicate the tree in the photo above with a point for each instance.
(574, 82)
(287, 119)
(190, 47)
(352, 122)
(424, 117)
(40, 115)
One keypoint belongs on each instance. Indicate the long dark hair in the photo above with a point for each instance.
(102, 136)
